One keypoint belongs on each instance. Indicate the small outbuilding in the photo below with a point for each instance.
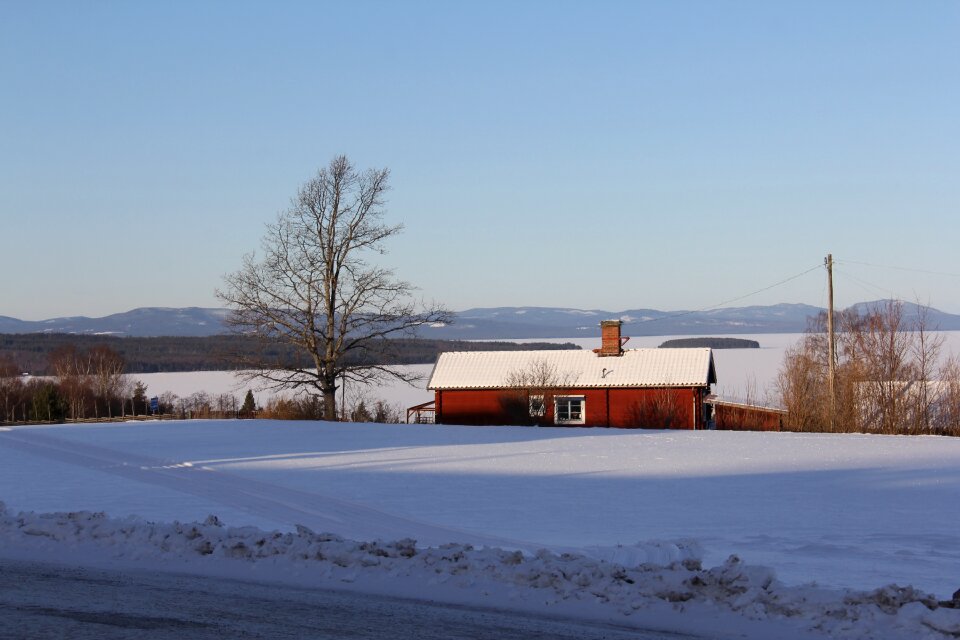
(608, 387)
(732, 414)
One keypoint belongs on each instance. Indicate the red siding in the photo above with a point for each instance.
(676, 408)
(655, 408)
(468, 407)
(742, 418)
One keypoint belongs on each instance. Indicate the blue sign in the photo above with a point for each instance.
(154, 404)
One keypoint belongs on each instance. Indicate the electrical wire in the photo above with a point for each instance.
(886, 266)
(883, 290)
(732, 300)
(863, 283)
(776, 284)
(871, 287)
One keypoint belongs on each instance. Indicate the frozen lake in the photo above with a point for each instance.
(740, 372)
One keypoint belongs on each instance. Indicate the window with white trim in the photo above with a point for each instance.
(569, 409)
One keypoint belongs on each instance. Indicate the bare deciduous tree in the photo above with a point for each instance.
(946, 412)
(72, 374)
(659, 409)
(199, 404)
(168, 402)
(532, 391)
(925, 350)
(803, 386)
(88, 379)
(10, 387)
(106, 376)
(314, 289)
(877, 349)
(884, 375)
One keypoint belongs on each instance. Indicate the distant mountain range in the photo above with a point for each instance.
(143, 322)
(487, 324)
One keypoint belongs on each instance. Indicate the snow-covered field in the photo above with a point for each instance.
(610, 524)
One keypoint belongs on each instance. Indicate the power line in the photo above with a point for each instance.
(896, 268)
(731, 300)
(871, 287)
(776, 284)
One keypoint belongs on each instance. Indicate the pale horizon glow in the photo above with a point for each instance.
(612, 155)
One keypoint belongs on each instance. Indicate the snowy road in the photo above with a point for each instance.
(49, 601)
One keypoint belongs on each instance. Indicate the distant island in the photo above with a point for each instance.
(712, 343)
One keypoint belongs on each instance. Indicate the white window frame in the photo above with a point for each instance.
(559, 400)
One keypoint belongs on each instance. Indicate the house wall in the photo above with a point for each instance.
(663, 408)
(737, 418)
(659, 408)
(471, 406)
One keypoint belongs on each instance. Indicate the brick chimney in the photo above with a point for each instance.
(611, 344)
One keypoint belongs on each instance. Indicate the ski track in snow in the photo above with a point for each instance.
(258, 498)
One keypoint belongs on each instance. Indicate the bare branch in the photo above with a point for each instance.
(313, 289)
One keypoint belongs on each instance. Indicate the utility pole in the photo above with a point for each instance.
(831, 344)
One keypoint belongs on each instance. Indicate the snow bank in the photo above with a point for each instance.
(617, 584)
(841, 510)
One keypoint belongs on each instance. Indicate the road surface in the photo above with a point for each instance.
(43, 601)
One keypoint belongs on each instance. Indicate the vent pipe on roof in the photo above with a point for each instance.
(611, 344)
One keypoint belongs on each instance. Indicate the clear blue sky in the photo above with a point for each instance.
(595, 155)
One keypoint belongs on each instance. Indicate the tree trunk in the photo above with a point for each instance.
(330, 403)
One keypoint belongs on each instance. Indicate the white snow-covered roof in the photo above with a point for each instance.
(745, 403)
(576, 368)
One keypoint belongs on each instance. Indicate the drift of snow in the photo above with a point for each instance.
(459, 572)
(850, 513)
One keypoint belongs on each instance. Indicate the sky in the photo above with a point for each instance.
(602, 155)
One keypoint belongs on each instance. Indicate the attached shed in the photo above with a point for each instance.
(611, 387)
(731, 414)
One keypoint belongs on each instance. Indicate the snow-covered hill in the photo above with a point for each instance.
(142, 322)
(488, 323)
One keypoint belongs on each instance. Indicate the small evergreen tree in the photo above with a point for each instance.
(360, 413)
(139, 398)
(47, 405)
(249, 405)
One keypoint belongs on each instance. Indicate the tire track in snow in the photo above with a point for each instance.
(319, 512)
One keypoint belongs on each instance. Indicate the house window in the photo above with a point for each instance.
(537, 406)
(569, 410)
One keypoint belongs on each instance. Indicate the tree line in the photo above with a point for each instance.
(80, 377)
(90, 384)
(32, 352)
(890, 376)
(710, 343)
(83, 383)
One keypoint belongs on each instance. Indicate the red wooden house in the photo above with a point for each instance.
(609, 387)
